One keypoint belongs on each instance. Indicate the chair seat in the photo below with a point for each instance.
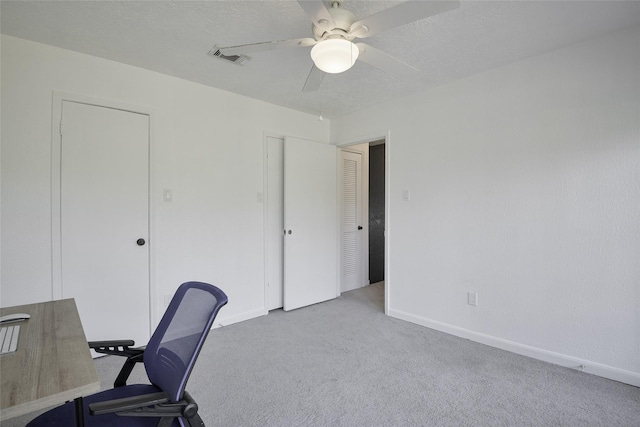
(65, 415)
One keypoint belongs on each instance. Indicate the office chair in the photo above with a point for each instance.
(168, 359)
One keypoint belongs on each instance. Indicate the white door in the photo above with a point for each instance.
(104, 212)
(275, 222)
(352, 230)
(310, 220)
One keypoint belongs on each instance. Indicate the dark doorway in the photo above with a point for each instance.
(376, 212)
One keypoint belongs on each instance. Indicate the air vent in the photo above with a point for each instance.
(236, 59)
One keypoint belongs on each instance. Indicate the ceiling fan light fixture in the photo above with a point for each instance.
(334, 55)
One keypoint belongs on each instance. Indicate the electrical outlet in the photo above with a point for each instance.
(472, 298)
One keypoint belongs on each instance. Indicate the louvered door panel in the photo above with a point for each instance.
(351, 242)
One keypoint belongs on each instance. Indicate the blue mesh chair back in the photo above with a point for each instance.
(173, 349)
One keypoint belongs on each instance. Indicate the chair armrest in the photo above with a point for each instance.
(128, 403)
(156, 405)
(116, 348)
(112, 343)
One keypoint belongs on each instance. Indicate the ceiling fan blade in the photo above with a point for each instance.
(385, 62)
(265, 46)
(314, 79)
(318, 13)
(404, 13)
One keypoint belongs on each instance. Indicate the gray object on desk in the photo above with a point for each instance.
(15, 317)
(9, 339)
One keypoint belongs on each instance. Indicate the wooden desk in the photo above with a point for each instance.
(52, 364)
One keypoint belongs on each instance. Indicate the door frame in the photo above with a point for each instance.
(377, 136)
(56, 170)
(268, 257)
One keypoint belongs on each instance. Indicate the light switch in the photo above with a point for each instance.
(472, 298)
(167, 195)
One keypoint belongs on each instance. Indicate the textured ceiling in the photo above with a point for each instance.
(173, 37)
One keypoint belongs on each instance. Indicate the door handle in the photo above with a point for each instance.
(140, 242)
(359, 227)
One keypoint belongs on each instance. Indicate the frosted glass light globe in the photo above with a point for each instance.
(334, 55)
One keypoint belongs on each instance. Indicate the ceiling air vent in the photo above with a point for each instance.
(236, 59)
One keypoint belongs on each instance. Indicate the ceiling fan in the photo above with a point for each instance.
(335, 29)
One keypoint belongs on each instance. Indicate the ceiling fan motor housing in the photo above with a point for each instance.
(343, 20)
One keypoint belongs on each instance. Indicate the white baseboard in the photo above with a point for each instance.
(230, 320)
(587, 366)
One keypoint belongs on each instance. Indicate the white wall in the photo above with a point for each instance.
(207, 147)
(525, 188)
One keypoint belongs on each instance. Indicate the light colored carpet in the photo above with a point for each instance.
(344, 363)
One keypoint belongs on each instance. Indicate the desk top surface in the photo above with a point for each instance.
(52, 364)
